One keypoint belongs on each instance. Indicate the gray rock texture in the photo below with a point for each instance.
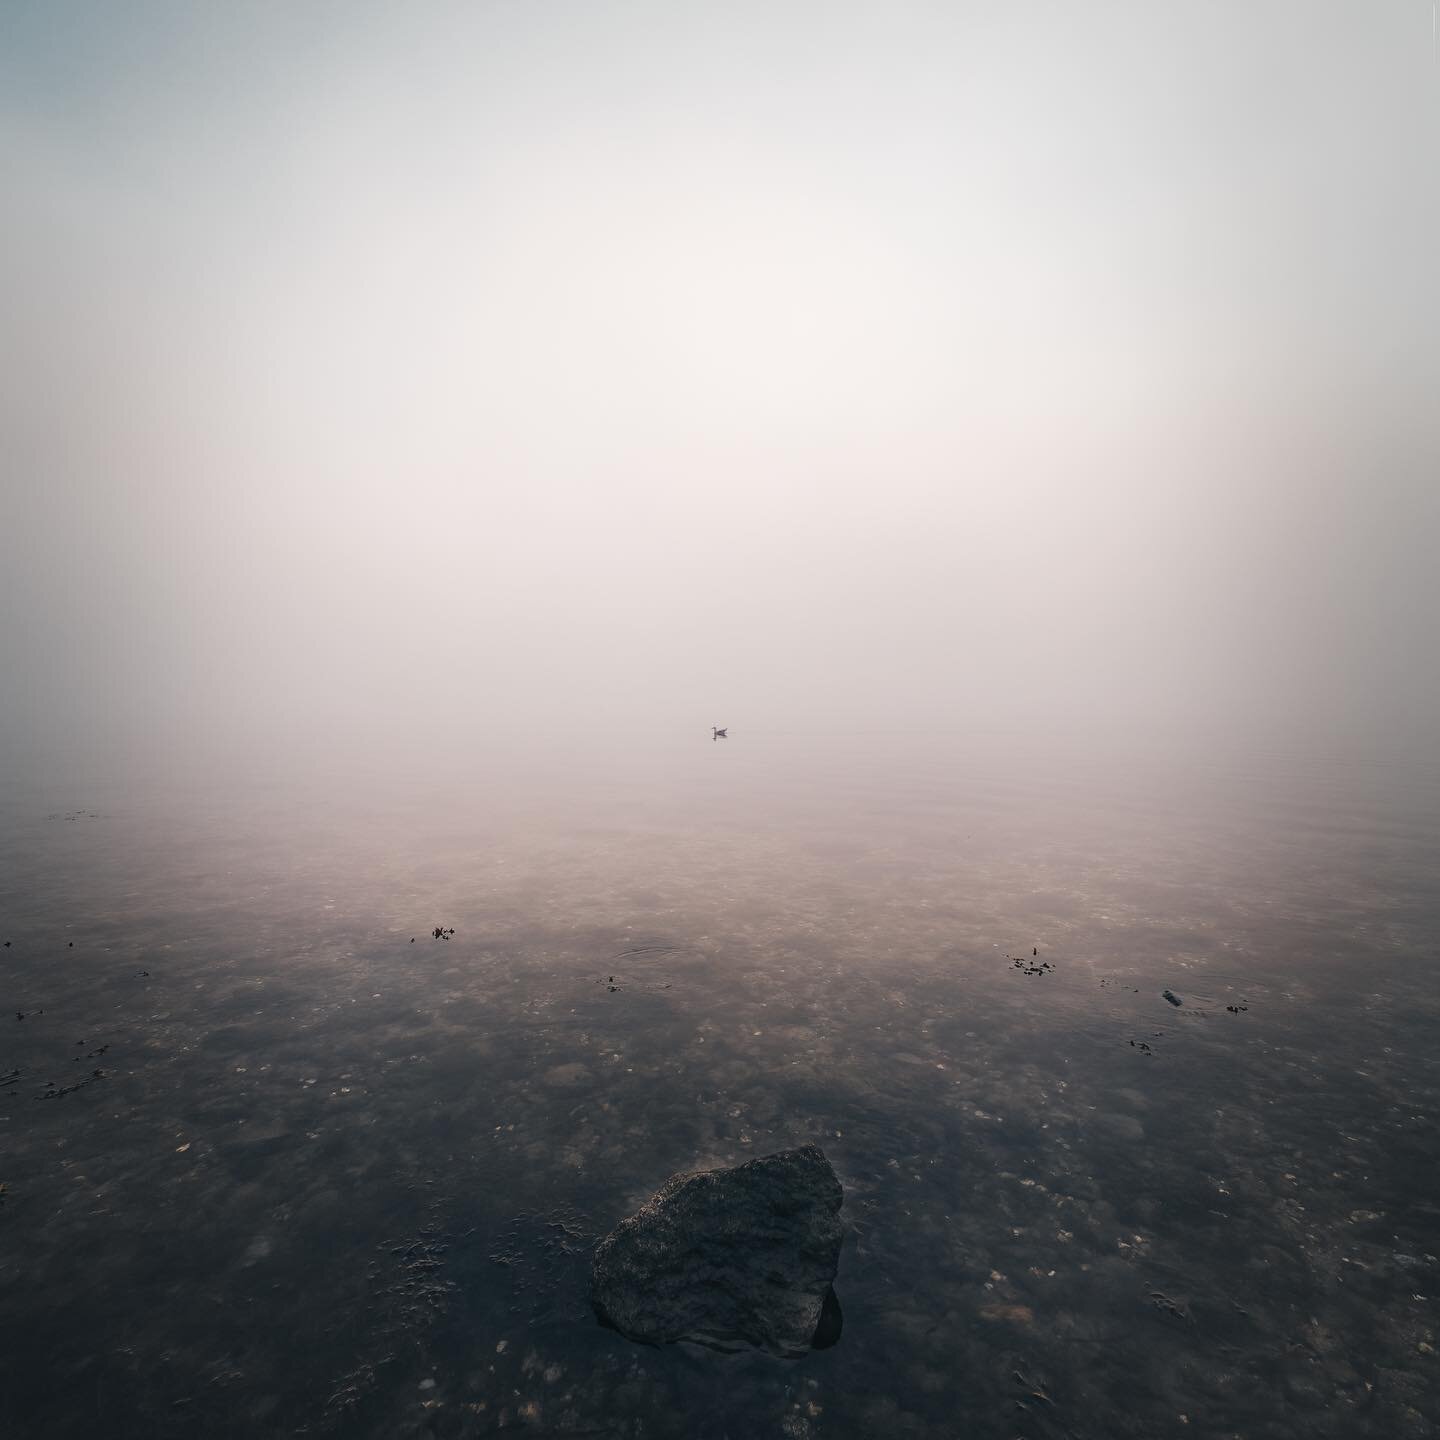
(729, 1258)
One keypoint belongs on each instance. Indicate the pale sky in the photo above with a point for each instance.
(746, 362)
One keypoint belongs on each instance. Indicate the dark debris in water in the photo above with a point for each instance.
(1169, 1306)
(57, 1092)
(440, 932)
(616, 983)
(1031, 966)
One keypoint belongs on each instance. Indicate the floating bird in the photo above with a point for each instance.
(718, 734)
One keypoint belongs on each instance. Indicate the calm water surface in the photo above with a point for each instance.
(272, 1167)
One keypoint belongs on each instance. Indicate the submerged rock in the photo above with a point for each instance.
(729, 1258)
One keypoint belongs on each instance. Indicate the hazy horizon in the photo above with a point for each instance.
(374, 368)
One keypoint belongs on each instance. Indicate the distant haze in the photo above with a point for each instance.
(767, 364)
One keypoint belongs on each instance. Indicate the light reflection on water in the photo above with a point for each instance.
(324, 1165)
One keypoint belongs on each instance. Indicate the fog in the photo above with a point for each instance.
(562, 365)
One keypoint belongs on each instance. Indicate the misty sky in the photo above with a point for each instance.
(730, 362)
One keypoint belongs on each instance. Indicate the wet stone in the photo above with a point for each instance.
(729, 1259)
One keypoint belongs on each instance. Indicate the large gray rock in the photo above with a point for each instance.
(729, 1258)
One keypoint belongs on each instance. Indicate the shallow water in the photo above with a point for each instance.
(330, 1180)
